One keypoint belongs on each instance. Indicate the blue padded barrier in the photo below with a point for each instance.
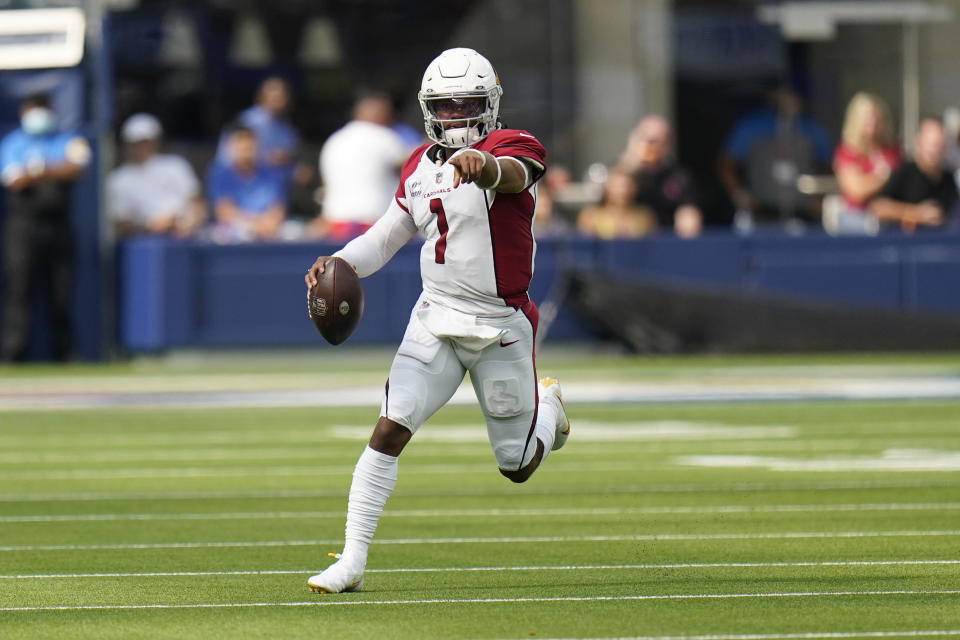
(141, 311)
(714, 259)
(933, 274)
(554, 257)
(196, 294)
(861, 271)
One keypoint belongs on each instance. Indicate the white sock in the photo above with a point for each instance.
(546, 429)
(374, 478)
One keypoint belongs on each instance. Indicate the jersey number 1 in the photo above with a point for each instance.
(436, 206)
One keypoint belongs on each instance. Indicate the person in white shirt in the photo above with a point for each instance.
(152, 193)
(471, 194)
(359, 166)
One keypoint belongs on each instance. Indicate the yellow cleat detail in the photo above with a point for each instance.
(551, 390)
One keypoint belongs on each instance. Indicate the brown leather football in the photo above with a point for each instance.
(335, 303)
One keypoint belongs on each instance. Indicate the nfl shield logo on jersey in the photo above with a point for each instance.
(438, 177)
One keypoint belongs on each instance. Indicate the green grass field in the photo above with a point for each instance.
(773, 519)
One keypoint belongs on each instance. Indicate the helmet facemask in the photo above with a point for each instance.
(457, 120)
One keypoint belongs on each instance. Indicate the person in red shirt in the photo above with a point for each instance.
(863, 161)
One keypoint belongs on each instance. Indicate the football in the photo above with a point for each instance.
(335, 303)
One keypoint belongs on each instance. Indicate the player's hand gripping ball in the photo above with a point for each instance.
(334, 298)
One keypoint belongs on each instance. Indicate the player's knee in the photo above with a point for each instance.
(401, 406)
(405, 399)
(518, 475)
(524, 472)
(509, 454)
(390, 437)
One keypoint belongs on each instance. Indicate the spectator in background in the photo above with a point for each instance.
(765, 153)
(248, 199)
(39, 167)
(951, 129)
(662, 185)
(277, 140)
(920, 192)
(618, 215)
(863, 161)
(548, 219)
(359, 167)
(152, 192)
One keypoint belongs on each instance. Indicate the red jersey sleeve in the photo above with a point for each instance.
(406, 171)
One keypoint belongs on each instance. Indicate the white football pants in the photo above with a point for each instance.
(427, 371)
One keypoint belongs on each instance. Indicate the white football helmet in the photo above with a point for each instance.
(460, 98)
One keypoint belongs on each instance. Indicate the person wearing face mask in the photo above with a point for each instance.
(38, 166)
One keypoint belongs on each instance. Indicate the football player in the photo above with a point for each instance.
(471, 193)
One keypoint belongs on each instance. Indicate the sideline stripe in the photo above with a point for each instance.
(440, 513)
(571, 567)
(335, 603)
(88, 496)
(651, 537)
(810, 635)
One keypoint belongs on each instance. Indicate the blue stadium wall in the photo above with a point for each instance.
(178, 294)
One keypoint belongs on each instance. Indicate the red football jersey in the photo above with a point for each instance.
(479, 247)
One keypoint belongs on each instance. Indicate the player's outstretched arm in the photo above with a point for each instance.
(504, 175)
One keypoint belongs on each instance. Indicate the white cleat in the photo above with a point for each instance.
(550, 392)
(339, 577)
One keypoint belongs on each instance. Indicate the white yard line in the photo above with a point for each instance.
(113, 496)
(889, 459)
(570, 567)
(171, 437)
(652, 537)
(103, 446)
(336, 602)
(768, 389)
(284, 471)
(96, 454)
(483, 513)
(275, 494)
(809, 635)
(319, 448)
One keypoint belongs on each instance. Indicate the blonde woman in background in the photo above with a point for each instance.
(863, 161)
(617, 215)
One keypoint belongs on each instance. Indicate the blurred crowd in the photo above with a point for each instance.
(247, 191)
(780, 170)
(777, 166)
